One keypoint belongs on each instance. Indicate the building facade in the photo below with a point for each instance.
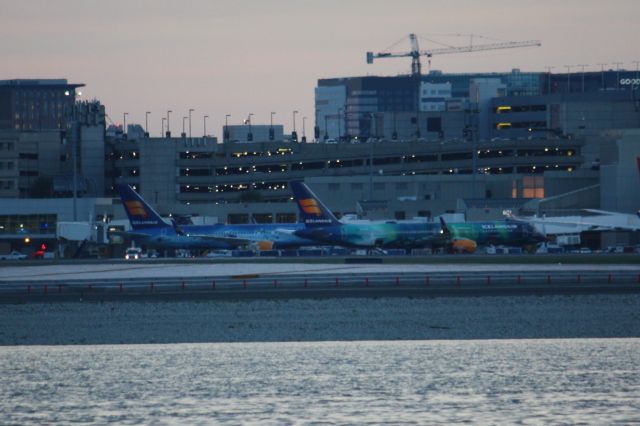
(31, 105)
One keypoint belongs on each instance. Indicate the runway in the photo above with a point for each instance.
(235, 281)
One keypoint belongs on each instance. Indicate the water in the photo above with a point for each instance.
(594, 381)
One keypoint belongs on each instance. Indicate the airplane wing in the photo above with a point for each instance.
(286, 231)
(604, 212)
(585, 225)
(231, 240)
(129, 234)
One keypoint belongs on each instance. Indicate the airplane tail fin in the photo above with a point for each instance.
(444, 229)
(312, 211)
(141, 215)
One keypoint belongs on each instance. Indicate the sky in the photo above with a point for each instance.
(261, 56)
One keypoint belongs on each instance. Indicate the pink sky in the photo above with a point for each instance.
(241, 57)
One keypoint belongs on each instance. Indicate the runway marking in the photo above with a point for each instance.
(115, 269)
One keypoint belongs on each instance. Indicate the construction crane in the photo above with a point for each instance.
(415, 53)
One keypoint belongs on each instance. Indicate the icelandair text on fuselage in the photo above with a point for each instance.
(144, 222)
(499, 226)
(317, 221)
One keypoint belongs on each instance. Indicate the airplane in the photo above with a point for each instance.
(323, 226)
(467, 236)
(151, 229)
(596, 220)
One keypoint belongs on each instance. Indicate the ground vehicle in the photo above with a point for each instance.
(14, 255)
(133, 253)
(43, 254)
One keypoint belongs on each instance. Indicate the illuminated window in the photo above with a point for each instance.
(533, 187)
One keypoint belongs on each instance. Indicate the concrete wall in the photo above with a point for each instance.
(158, 169)
(620, 177)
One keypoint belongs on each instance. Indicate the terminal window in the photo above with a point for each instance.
(533, 187)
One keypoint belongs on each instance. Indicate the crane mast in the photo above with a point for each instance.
(416, 53)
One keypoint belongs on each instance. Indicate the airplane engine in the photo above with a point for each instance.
(464, 246)
(265, 245)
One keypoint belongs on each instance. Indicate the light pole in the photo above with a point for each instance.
(304, 131)
(271, 132)
(582, 70)
(124, 124)
(569, 77)
(602, 74)
(225, 133)
(617, 64)
(190, 111)
(168, 129)
(146, 123)
(204, 132)
(294, 134)
(549, 68)
(162, 131)
(250, 134)
(183, 120)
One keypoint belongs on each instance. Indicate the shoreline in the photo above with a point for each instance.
(354, 319)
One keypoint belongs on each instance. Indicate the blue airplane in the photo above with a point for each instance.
(321, 225)
(150, 229)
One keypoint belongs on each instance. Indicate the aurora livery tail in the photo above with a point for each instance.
(312, 211)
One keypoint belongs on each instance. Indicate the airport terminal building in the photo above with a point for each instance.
(383, 148)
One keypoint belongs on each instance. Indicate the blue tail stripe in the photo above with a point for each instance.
(312, 211)
(141, 215)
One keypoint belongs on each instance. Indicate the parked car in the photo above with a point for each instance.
(14, 255)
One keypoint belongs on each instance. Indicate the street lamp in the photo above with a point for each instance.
(294, 134)
(190, 111)
(617, 64)
(602, 73)
(549, 68)
(249, 135)
(582, 70)
(162, 131)
(124, 124)
(146, 123)
(304, 132)
(168, 129)
(183, 120)
(271, 132)
(225, 133)
(204, 132)
(569, 77)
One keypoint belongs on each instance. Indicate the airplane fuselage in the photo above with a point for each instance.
(509, 233)
(384, 235)
(221, 236)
